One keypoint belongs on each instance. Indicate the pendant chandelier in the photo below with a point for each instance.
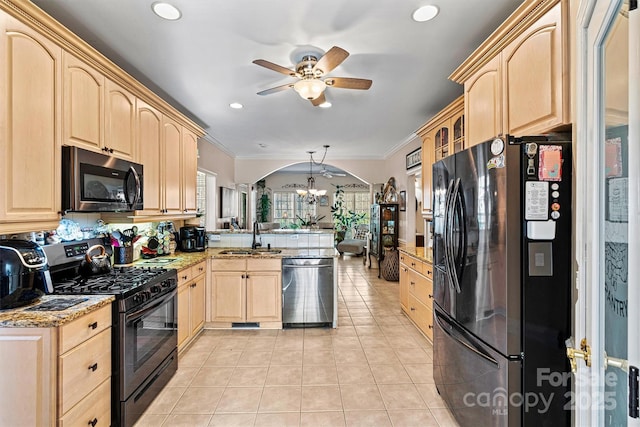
(311, 193)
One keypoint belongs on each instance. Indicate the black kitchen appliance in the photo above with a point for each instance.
(24, 273)
(144, 323)
(94, 182)
(192, 239)
(502, 282)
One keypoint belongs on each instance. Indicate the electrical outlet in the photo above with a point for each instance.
(214, 237)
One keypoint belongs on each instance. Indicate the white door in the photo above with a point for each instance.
(607, 209)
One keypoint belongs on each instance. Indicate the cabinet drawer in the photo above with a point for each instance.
(422, 315)
(414, 264)
(84, 328)
(263, 264)
(421, 288)
(95, 406)
(83, 369)
(228, 264)
(427, 270)
(199, 269)
(185, 275)
(404, 258)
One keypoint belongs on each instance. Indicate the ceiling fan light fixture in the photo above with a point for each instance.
(425, 13)
(309, 88)
(166, 11)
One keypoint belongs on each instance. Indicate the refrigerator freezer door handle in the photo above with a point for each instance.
(461, 254)
(451, 261)
(446, 233)
(459, 336)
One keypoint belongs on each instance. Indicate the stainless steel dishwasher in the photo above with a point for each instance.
(307, 291)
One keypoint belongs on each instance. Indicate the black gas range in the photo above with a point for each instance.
(132, 286)
(144, 323)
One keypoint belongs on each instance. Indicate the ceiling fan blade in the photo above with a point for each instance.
(276, 89)
(348, 83)
(331, 59)
(319, 100)
(275, 67)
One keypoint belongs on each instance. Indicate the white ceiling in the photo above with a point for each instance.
(203, 62)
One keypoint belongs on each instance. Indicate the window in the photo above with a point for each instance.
(201, 196)
(288, 206)
(359, 202)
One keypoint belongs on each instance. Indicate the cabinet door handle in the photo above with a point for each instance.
(93, 422)
(93, 325)
(412, 283)
(184, 277)
(430, 296)
(413, 309)
(430, 326)
(93, 367)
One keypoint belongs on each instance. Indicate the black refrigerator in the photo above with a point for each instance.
(502, 282)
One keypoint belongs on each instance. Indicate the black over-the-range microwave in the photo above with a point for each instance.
(94, 182)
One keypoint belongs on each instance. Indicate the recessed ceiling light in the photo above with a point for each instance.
(325, 104)
(236, 105)
(262, 145)
(425, 13)
(166, 11)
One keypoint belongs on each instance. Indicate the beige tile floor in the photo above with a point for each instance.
(375, 369)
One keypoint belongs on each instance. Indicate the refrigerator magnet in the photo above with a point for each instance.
(550, 163)
(496, 162)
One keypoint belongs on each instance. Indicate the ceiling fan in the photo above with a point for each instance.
(310, 72)
(330, 174)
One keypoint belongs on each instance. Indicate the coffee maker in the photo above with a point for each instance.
(24, 273)
(192, 239)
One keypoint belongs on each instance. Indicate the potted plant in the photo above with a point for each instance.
(264, 202)
(343, 218)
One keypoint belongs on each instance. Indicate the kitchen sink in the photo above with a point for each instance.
(266, 251)
(250, 251)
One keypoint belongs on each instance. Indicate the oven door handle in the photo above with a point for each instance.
(142, 312)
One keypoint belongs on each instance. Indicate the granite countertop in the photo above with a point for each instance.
(179, 260)
(24, 317)
(285, 253)
(424, 254)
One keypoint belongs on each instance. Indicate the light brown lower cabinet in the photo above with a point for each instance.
(247, 291)
(191, 302)
(416, 292)
(57, 376)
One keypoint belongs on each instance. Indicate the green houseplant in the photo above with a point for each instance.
(343, 218)
(264, 202)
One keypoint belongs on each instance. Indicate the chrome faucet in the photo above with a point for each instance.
(256, 234)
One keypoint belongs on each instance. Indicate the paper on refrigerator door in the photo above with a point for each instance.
(536, 202)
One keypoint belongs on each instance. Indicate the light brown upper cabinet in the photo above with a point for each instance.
(99, 115)
(83, 104)
(483, 105)
(172, 166)
(517, 81)
(190, 170)
(149, 128)
(442, 136)
(30, 129)
(120, 120)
